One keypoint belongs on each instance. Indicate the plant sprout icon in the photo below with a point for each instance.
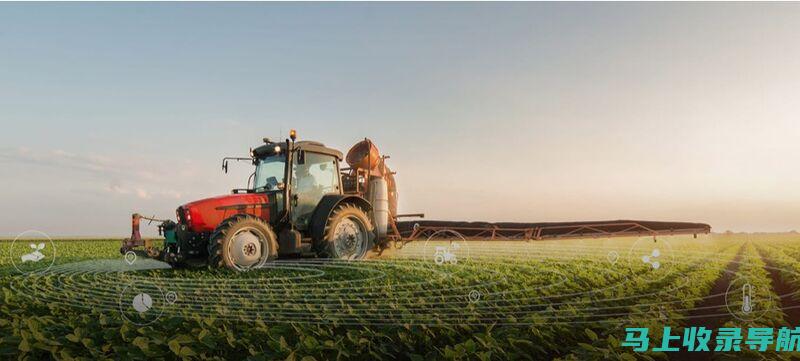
(650, 259)
(445, 254)
(34, 256)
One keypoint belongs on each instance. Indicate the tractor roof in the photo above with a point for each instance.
(304, 145)
(317, 147)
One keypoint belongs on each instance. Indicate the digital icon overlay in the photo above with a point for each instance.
(474, 296)
(445, 254)
(613, 257)
(36, 255)
(652, 259)
(32, 252)
(747, 298)
(141, 302)
(130, 257)
(171, 297)
(745, 301)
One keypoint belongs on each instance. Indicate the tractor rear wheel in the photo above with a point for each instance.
(349, 234)
(242, 243)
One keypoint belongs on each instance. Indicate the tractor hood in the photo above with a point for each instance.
(204, 215)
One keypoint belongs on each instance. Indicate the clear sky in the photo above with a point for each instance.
(517, 112)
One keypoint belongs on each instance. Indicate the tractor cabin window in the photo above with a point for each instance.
(312, 177)
(269, 173)
(316, 175)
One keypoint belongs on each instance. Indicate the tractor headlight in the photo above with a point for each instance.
(184, 216)
(277, 149)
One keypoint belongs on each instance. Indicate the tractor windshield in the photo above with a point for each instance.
(269, 173)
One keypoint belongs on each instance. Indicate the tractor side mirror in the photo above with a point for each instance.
(301, 157)
(225, 166)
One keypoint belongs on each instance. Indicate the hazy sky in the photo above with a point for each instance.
(518, 112)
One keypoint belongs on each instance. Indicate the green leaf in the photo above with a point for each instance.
(141, 342)
(87, 342)
(311, 342)
(24, 346)
(175, 347)
(186, 351)
(591, 334)
(470, 346)
(183, 339)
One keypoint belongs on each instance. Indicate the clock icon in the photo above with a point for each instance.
(142, 303)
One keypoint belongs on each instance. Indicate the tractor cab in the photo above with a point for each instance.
(300, 174)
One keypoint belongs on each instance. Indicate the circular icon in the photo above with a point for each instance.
(171, 297)
(446, 248)
(474, 296)
(613, 256)
(35, 255)
(652, 258)
(130, 257)
(745, 301)
(649, 257)
(141, 302)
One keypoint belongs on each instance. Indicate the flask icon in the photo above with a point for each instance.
(747, 298)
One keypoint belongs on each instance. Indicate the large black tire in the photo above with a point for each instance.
(242, 243)
(349, 234)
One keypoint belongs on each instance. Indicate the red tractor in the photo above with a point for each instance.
(298, 202)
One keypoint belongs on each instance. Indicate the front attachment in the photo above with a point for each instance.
(166, 228)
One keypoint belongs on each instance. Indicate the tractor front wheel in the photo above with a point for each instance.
(242, 243)
(349, 234)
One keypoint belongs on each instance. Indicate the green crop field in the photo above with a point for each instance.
(567, 299)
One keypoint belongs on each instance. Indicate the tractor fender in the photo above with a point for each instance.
(326, 205)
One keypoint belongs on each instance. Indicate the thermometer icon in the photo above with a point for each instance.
(747, 298)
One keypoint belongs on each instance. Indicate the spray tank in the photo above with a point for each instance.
(381, 191)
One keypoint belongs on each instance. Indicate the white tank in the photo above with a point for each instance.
(378, 196)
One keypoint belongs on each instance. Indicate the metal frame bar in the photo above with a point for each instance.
(594, 230)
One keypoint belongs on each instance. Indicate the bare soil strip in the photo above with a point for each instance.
(707, 312)
(789, 305)
(711, 312)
